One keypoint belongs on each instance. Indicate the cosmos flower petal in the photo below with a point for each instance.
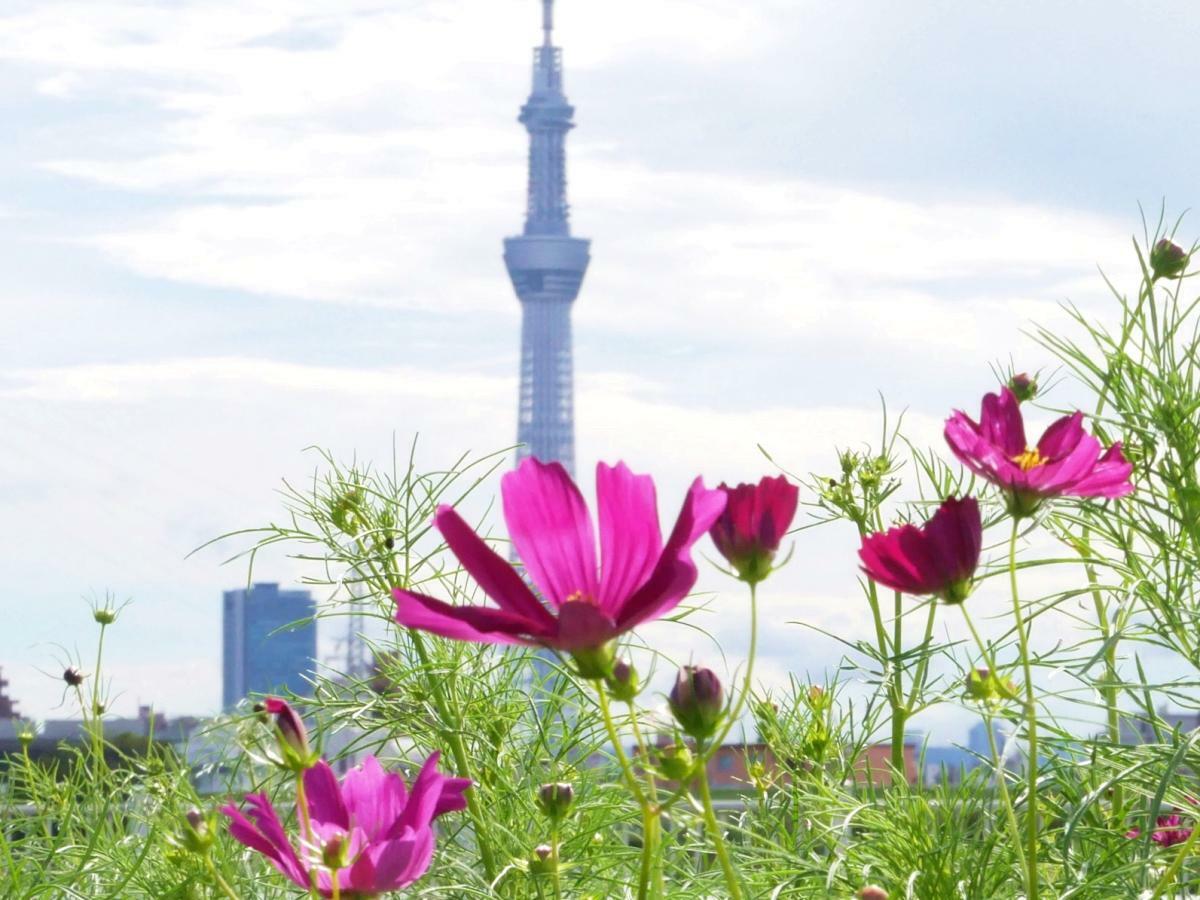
(630, 538)
(551, 529)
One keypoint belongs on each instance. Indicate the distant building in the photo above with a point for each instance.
(546, 265)
(874, 765)
(269, 641)
(8, 709)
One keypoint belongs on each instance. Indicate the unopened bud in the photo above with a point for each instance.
(1023, 387)
(697, 701)
(105, 615)
(335, 852)
(1168, 259)
(196, 833)
(291, 734)
(541, 860)
(72, 676)
(986, 686)
(26, 735)
(872, 892)
(623, 681)
(676, 762)
(555, 799)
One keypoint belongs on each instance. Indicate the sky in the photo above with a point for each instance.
(232, 230)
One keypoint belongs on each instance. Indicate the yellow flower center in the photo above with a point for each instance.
(580, 597)
(1030, 459)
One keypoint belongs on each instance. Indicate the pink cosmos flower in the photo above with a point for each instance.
(1066, 462)
(755, 519)
(636, 579)
(369, 832)
(939, 557)
(1168, 831)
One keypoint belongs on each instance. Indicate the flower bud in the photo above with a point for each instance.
(555, 799)
(623, 681)
(196, 833)
(752, 525)
(335, 852)
(594, 663)
(985, 686)
(72, 676)
(676, 762)
(26, 735)
(872, 892)
(541, 860)
(291, 734)
(104, 615)
(1023, 387)
(1168, 259)
(697, 701)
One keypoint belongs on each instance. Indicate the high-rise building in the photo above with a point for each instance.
(546, 265)
(269, 641)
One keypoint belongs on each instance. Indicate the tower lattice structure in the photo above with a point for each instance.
(546, 265)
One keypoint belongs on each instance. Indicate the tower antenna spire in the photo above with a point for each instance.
(547, 21)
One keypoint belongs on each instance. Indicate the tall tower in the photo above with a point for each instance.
(546, 266)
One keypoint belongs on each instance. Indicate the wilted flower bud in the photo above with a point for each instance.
(697, 701)
(197, 833)
(72, 676)
(872, 892)
(1168, 259)
(676, 762)
(555, 799)
(541, 860)
(623, 681)
(291, 734)
(1023, 387)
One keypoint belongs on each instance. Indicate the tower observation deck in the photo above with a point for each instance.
(546, 265)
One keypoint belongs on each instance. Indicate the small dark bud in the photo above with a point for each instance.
(623, 681)
(697, 701)
(1168, 259)
(389, 542)
(196, 833)
(555, 799)
(99, 709)
(541, 860)
(1023, 387)
(73, 676)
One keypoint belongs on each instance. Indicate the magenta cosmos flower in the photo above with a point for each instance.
(1168, 831)
(1067, 461)
(939, 557)
(636, 579)
(369, 832)
(756, 518)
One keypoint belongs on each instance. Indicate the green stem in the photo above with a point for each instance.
(557, 879)
(1010, 814)
(306, 819)
(714, 828)
(461, 764)
(94, 717)
(221, 882)
(747, 683)
(649, 812)
(1030, 717)
(899, 711)
(654, 820)
(1176, 864)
